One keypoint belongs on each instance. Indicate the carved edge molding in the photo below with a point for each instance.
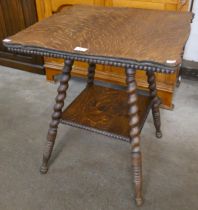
(117, 62)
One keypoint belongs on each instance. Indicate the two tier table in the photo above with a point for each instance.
(134, 39)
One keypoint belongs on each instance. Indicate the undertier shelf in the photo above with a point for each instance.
(105, 110)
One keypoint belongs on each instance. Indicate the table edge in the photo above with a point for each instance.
(111, 61)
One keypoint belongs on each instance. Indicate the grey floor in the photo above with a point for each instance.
(90, 171)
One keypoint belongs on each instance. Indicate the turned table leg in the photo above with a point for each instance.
(155, 103)
(134, 135)
(56, 116)
(91, 74)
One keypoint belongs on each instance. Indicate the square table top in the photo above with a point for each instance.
(107, 33)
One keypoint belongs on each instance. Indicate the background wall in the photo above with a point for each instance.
(191, 49)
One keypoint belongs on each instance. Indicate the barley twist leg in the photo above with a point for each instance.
(56, 116)
(91, 74)
(155, 103)
(134, 135)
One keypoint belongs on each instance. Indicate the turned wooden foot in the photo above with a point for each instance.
(56, 116)
(91, 74)
(155, 103)
(137, 172)
(134, 135)
(47, 152)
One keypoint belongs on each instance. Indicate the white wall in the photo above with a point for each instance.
(191, 49)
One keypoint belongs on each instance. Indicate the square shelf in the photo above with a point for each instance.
(105, 110)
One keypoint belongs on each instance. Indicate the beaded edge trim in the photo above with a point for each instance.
(117, 62)
(95, 130)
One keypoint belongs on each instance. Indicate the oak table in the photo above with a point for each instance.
(130, 38)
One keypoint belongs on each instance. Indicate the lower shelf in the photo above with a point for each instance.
(104, 110)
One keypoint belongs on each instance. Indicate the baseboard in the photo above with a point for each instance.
(189, 70)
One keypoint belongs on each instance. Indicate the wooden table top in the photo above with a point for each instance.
(124, 34)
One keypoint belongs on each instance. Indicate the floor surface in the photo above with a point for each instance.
(90, 171)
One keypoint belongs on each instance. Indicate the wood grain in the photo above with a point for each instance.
(165, 83)
(134, 33)
(104, 109)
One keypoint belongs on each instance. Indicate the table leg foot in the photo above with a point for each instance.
(43, 169)
(51, 137)
(137, 173)
(158, 134)
(139, 201)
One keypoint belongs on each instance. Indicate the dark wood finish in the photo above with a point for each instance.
(91, 74)
(81, 26)
(15, 16)
(56, 116)
(104, 110)
(84, 25)
(155, 103)
(134, 123)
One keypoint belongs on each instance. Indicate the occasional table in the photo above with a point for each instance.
(124, 37)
